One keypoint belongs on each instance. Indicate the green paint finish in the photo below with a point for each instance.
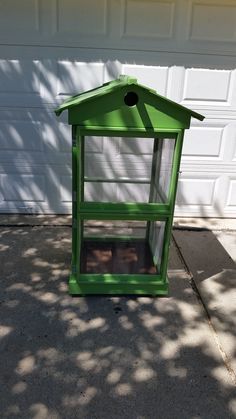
(129, 132)
(127, 209)
(117, 284)
(149, 113)
(106, 107)
(124, 108)
(172, 196)
(74, 200)
(123, 180)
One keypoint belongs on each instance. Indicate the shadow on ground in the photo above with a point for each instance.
(100, 357)
(214, 274)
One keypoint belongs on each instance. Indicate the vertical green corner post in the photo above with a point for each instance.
(124, 108)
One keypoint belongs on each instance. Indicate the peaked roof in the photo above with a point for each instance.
(114, 86)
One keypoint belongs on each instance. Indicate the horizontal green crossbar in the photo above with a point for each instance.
(122, 180)
(128, 132)
(121, 216)
(120, 278)
(117, 284)
(108, 238)
(123, 211)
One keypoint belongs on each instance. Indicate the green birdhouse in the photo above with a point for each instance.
(122, 222)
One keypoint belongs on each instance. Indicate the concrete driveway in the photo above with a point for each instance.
(114, 357)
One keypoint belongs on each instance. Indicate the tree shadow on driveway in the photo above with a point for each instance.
(100, 357)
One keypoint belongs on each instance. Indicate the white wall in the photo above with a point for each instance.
(184, 49)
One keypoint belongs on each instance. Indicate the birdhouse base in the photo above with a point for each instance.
(108, 284)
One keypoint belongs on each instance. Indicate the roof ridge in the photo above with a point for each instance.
(113, 85)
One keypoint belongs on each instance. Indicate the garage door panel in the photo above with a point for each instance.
(10, 21)
(40, 82)
(77, 17)
(34, 158)
(19, 76)
(196, 191)
(212, 21)
(206, 193)
(76, 77)
(27, 81)
(153, 76)
(148, 20)
(20, 135)
(206, 142)
(207, 85)
(35, 188)
(203, 143)
(210, 26)
(33, 135)
(198, 194)
(23, 187)
(20, 82)
(208, 88)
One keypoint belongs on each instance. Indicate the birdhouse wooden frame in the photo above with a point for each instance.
(122, 247)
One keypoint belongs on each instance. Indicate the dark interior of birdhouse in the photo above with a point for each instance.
(122, 247)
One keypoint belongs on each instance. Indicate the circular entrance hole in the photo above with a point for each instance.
(131, 99)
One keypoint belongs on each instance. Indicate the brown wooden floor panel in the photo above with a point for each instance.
(117, 257)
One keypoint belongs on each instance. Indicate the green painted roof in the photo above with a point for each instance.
(113, 86)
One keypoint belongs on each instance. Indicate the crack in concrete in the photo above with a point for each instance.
(223, 354)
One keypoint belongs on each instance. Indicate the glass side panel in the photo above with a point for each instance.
(118, 247)
(162, 169)
(156, 240)
(127, 169)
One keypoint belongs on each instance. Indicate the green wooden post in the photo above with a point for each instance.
(124, 108)
(153, 176)
(172, 196)
(74, 207)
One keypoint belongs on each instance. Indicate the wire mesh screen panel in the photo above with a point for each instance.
(118, 247)
(127, 191)
(163, 153)
(119, 170)
(156, 240)
(127, 169)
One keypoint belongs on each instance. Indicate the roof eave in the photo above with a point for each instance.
(197, 116)
(123, 81)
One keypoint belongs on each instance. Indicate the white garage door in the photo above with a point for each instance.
(50, 49)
